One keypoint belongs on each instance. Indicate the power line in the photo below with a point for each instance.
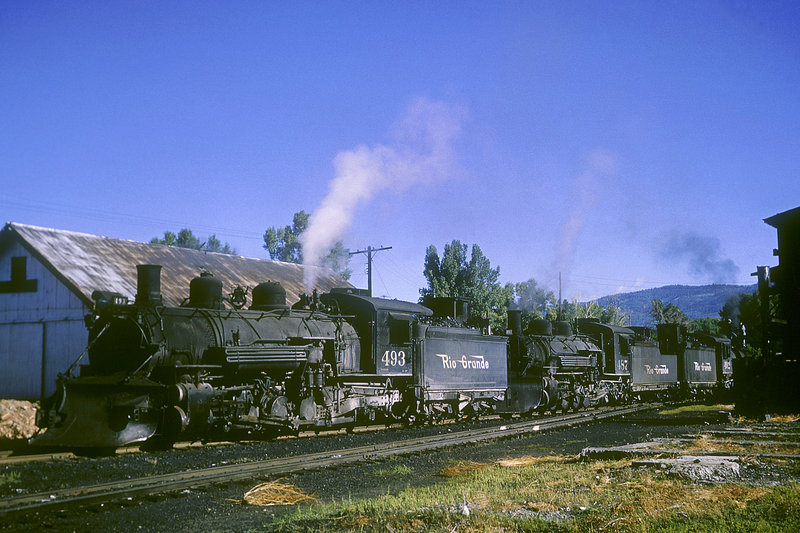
(93, 213)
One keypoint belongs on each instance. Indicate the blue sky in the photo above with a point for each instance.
(625, 145)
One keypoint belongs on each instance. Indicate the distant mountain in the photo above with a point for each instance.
(696, 301)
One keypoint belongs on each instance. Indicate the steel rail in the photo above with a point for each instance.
(115, 490)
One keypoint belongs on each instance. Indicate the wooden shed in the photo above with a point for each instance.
(47, 277)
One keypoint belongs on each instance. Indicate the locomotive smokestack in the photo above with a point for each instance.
(148, 284)
(515, 320)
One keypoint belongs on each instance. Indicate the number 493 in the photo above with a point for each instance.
(394, 358)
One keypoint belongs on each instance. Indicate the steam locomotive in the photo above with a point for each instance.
(208, 371)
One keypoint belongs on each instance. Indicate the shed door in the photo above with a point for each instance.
(21, 360)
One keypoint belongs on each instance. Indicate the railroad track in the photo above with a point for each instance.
(128, 488)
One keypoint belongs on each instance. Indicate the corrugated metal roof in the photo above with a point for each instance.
(88, 262)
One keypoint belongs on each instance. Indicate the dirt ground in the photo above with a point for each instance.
(17, 420)
(224, 507)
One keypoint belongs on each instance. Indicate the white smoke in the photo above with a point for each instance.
(421, 151)
(600, 165)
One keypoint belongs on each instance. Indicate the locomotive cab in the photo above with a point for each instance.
(384, 328)
(615, 342)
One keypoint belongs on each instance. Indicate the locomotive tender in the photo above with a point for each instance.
(206, 371)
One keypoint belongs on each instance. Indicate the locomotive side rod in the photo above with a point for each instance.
(128, 488)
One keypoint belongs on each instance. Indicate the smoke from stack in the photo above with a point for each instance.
(420, 151)
(599, 164)
(702, 254)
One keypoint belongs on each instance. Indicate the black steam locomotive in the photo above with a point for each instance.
(202, 370)
(206, 371)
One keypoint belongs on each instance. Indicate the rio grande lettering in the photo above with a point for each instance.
(702, 367)
(471, 362)
(657, 370)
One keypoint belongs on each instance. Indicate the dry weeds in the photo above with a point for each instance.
(530, 461)
(277, 492)
(460, 468)
(705, 443)
(773, 419)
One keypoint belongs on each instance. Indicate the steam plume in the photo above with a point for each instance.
(599, 164)
(703, 257)
(420, 151)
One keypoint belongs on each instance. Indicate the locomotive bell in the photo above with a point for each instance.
(268, 296)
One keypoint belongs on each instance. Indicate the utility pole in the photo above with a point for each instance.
(370, 251)
(559, 296)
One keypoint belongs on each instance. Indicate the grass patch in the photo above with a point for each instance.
(396, 470)
(9, 478)
(558, 494)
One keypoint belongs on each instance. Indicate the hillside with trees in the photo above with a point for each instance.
(465, 272)
(695, 301)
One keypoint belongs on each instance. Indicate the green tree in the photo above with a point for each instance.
(169, 239)
(186, 239)
(740, 319)
(667, 313)
(283, 244)
(610, 314)
(474, 278)
(707, 324)
(613, 314)
(213, 244)
(532, 300)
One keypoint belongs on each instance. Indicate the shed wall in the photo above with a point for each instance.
(41, 332)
